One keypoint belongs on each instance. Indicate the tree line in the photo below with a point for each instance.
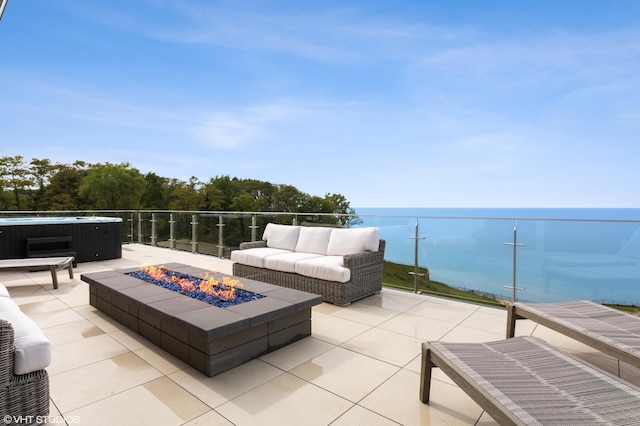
(43, 185)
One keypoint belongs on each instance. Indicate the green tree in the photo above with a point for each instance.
(221, 191)
(63, 193)
(41, 185)
(41, 171)
(338, 205)
(261, 192)
(184, 196)
(154, 193)
(16, 180)
(243, 202)
(287, 198)
(216, 194)
(113, 186)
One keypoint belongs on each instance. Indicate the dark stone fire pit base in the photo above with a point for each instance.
(208, 338)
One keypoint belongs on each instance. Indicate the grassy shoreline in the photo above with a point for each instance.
(401, 276)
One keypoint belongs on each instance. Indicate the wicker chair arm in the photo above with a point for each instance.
(359, 260)
(252, 244)
(6, 352)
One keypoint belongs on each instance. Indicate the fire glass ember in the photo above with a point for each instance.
(207, 289)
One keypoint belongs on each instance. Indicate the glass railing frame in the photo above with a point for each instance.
(141, 226)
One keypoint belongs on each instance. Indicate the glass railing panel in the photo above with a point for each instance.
(127, 231)
(237, 229)
(183, 230)
(465, 254)
(470, 254)
(325, 219)
(556, 259)
(162, 229)
(595, 260)
(143, 228)
(395, 230)
(207, 233)
(262, 219)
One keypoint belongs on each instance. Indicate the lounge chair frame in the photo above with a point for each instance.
(523, 381)
(608, 330)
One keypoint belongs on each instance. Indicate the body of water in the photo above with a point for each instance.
(562, 254)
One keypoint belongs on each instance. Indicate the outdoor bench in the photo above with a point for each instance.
(52, 263)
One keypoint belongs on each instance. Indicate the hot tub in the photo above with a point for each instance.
(89, 238)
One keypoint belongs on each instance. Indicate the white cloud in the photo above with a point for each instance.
(223, 130)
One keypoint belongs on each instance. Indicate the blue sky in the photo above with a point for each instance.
(390, 103)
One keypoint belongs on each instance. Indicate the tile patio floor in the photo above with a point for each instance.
(361, 365)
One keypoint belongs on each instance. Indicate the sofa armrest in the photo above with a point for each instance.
(6, 352)
(365, 259)
(253, 244)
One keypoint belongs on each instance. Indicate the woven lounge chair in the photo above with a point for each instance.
(609, 330)
(523, 381)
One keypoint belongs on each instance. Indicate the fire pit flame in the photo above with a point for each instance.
(226, 291)
(208, 289)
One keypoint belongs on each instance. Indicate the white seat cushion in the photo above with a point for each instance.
(354, 240)
(286, 262)
(4, 292)
(7, 304)
(327, 268)
(281, 236)
(32, 349)
(313, 240)
(255, 256)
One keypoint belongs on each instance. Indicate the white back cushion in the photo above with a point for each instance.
(281, 236)
(355, 240)
(3, 291)
(313, 240)
(7, 304)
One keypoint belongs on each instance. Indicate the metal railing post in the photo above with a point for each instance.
(253, 227)
(220, 237)
(194, 233)
(515, 245)
(172, 239)
(140, 233)
(131, 235)
(153, 230)
(415, 262)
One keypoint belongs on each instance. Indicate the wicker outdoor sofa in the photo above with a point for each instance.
(341, 265)
(25, 352)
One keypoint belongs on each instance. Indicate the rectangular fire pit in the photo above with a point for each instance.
(209, 338)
